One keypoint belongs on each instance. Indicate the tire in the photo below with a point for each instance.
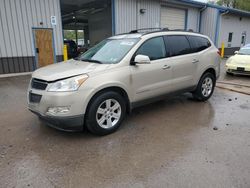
(205, 87)
(105, 113)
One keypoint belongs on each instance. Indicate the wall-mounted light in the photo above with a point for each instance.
(142, 10)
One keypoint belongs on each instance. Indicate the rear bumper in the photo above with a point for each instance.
(237, 72)
(238, 69)
(68, 123)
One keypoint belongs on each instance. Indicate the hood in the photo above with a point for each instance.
(67, 69)
(240, 59)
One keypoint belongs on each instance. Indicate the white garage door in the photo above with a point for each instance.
(172, 18)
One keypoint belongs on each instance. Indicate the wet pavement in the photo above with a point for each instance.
(172, 143)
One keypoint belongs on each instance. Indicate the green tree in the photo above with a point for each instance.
(238, 4)
(71, 34)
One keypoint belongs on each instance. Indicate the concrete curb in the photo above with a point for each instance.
(242, 90)
(233, 83)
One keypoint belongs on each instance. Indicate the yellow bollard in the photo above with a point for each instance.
(65, 53)
(222, 50)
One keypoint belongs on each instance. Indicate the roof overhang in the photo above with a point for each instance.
(189, 3)
(198, 4)
(230, 10)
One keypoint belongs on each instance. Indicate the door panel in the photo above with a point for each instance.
(151, 80)
(44, 46)
(184, 69)
(184, 64)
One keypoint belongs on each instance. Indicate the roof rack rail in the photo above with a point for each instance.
(151, 28)
(155, 30)
(189, 30)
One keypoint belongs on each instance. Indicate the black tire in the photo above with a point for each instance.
(198, 94)
(91, 118)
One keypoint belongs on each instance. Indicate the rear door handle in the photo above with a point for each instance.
(195, 61)
(166, 67)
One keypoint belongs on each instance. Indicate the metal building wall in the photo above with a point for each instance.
(151, 18)
(17, 18)
(128, 17)
(233, 23)
(125, 15)
(209, 23)
(193, 19)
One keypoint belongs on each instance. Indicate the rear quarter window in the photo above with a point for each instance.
(198, 43)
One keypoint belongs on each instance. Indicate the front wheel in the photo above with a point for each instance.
(106, 113)
(205, 87)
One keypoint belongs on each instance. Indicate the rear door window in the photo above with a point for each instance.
(177, 45)
(153, 48)
(198, 43)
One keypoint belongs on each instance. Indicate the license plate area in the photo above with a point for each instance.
(34, 98)
(240, 69)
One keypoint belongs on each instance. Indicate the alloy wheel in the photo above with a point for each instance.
(207, 86)
(108, 113)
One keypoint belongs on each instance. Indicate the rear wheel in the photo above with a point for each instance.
(205, 87)
(106, 113)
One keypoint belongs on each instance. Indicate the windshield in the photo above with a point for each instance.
(109, 51)
(244, 51)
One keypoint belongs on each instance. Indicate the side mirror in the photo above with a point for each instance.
(236, 52)
(142, 59)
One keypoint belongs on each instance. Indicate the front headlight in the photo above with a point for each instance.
(69, 84)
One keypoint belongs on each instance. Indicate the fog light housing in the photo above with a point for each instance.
(58, 110)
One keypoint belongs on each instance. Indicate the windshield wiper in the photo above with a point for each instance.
(92, 61)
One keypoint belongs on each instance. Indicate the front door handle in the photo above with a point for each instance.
(195, 61)
(166, 67)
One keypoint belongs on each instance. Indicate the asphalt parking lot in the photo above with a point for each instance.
(177, 142)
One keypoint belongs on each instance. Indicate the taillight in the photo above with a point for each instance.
(218, 52)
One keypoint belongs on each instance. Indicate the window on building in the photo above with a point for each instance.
(243, 39)
(177, 45)
(198, 43)
(230, 37)
(153, 48)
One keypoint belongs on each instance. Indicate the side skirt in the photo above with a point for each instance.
(159, 98)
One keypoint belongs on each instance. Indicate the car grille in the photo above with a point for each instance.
(38, 84)
(34, 98)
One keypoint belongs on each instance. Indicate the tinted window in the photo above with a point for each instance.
(230, 37)
(198, 43)
(153, 48)
(177, 45)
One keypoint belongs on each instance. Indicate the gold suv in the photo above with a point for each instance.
(99, 87)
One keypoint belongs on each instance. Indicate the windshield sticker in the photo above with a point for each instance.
(127, 43)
